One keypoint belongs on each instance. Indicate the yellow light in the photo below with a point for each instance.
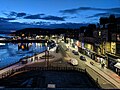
(22, 46)
(23, 34)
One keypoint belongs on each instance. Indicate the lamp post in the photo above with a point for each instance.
(48, 56)
(45, 55)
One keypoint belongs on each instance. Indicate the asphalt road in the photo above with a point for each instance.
(83, 64)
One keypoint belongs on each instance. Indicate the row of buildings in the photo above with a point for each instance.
(100, 42)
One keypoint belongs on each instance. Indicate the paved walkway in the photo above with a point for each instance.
(106, 73)
(19, 65)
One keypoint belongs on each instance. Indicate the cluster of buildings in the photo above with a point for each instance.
(100, 42)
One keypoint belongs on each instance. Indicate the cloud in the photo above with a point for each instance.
(6, 19)
(49, 17)
(117, 10)
(14, 14)
(103, 15)
(56, 18)
(21, 14)
(99, 15)
(77, 10)
(37, 16)
(73, 17)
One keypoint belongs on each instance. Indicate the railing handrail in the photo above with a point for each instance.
(52, 68)
(10, 72)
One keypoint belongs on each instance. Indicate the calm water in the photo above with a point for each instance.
(10, 54)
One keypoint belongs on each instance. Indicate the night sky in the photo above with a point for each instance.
(17, 14)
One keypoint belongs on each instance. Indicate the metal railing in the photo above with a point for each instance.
(13, 71)
(25, 69)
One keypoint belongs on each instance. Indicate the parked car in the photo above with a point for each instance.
(24, 61)
(83, 58)
(73, 61)
(92, 63)
(75, 52)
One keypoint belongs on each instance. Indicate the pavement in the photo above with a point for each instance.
(10, 69)
(108, 75)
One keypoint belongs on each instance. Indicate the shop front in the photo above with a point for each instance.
(89, 51)
(72, 42)
(112, 60)
(90, 54)
(113, 47)
(101, 59)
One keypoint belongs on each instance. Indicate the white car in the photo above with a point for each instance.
(73, 61)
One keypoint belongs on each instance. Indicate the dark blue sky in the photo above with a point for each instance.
(25, 13)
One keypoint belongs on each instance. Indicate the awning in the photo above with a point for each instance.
(117, 65)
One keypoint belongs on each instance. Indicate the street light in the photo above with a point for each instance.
(48, 56)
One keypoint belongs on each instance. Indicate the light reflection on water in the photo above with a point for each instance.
(10, 54)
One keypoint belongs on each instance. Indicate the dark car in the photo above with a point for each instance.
(83, 58)
(75, 52)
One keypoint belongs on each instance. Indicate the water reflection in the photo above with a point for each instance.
(12, 53)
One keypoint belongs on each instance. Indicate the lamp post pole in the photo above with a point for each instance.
(48, 56)
(45, 56)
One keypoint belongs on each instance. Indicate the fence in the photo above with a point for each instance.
(10, 72)
(24, 69)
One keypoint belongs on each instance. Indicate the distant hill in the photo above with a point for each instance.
(5, 32)
(43, 31)
(7, 27)
(66, 25)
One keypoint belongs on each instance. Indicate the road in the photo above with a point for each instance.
(104, 80)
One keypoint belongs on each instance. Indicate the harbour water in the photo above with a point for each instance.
(10, 53)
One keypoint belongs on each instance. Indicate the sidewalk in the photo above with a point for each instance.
(19, 65)
(106, 73)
